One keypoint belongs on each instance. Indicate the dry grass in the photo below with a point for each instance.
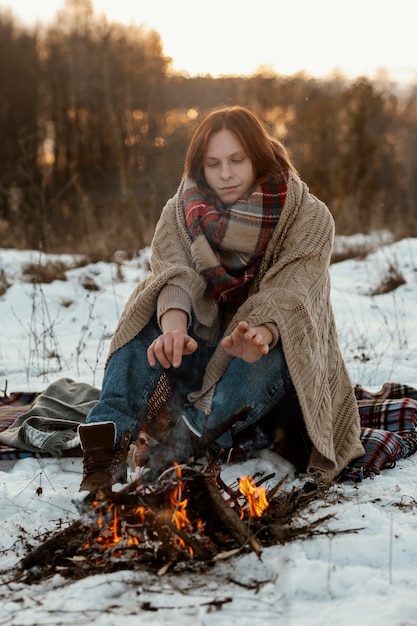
(49, 271)
(392, 279)
(4, 283)
(360, 245)
(357, 251)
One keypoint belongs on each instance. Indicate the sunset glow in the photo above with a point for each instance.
(322, 37)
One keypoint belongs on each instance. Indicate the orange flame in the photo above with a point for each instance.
(140, 512)
(255, 497)
(111, 534)
(179, 509)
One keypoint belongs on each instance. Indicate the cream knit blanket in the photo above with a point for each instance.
(291, 293)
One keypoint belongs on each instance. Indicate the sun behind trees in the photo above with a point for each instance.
(94, 130)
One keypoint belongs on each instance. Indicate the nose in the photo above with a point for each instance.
(225, 170)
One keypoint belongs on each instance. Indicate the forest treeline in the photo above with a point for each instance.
(94, 128)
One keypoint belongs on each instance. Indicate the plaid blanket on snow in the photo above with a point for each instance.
(388, 431)
(389, 423)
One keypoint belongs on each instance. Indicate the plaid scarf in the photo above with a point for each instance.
(228, 242)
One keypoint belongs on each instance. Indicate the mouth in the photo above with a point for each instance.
(230, 188)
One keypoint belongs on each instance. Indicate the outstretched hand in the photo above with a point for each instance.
(248, 343)
(170, 347)
(174, 342)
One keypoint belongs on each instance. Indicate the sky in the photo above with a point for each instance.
(358, 568)
(355, 38)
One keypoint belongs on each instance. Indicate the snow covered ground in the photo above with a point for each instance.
(364, 577)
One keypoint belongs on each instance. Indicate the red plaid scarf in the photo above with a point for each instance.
(229, 241)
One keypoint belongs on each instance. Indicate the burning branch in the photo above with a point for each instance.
(231, 519)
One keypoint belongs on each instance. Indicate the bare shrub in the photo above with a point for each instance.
(358, 251)
(392, 279)
(89, 283)
(359, 246)
(49, 271)
(66, 302)
(104, 245)
(4, 283)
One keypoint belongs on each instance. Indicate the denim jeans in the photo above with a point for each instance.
(129, 382)
(261, 385)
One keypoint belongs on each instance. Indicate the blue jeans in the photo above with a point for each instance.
(129, 382)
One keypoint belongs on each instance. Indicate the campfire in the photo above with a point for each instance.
(186, 514)
(183, 514)
(186, 517)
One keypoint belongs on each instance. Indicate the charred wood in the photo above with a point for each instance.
(229, 517)
(64, 543)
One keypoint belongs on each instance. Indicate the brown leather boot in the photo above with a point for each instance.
(104, 463)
